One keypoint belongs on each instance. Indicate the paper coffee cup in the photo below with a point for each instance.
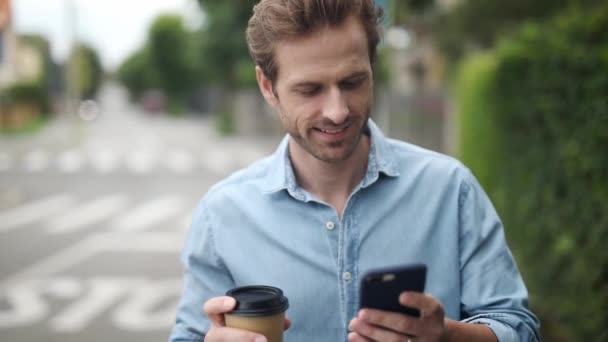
(260, 309)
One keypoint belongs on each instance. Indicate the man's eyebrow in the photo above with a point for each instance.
(357, 75)
(305, 84)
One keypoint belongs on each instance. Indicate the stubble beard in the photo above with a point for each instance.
(328, 152)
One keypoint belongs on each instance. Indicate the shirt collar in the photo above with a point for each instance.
(281, 175)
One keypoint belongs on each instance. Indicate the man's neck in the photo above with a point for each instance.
(331, 182)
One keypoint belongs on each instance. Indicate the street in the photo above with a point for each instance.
(93, 212)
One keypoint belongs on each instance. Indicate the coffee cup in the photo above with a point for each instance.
(260, 309)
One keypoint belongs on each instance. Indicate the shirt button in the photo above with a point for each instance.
(330, 225)
(346, 276)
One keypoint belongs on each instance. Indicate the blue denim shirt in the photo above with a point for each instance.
(412, 206)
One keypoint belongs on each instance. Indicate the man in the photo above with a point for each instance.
(338, 199)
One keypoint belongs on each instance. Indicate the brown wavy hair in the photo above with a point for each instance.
(276, 20)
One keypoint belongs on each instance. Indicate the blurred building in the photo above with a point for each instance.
(416, 106)
(19, 59)
(8, 44)
(24, 65)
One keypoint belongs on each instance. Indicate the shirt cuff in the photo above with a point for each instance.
(503, 332)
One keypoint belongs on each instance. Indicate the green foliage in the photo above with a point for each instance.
(168, 46)
(137, 74)
(29, 93)
(225, 123)
(473, 90)
(480, 23)
(534, 118)
(165, 62)
(224, 45)
(401, 11)
(382, 67)
(245, 73)
(31, 127)
(84, 68)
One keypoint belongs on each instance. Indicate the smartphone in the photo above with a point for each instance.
(380, 288)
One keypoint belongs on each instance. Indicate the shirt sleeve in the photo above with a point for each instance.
(205, 276)
(493, 291)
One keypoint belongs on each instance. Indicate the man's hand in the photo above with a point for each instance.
(377, 325)
(215, 308)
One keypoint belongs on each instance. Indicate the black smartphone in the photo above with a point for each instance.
(380, 288)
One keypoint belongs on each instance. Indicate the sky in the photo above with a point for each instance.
(115, 28)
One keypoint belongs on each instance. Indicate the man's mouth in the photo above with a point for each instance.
(333, 130)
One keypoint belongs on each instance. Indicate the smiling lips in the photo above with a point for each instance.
(333, 131)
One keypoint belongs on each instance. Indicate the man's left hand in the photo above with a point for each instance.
(377, 325)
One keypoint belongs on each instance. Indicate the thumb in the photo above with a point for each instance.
(216, 307)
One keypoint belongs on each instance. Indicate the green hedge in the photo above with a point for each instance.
(533, 116)
(32, 93)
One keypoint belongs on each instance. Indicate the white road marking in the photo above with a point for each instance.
(70, 161)
(35, 161)
(141, 161)
(132, 303)
(6, 161)
(149, 213)
(26, 306)
(103, 294)
(34, 211)
(88, 214)
(94, 245)
(180, 161)
(64, 288)
(217, 161)
(27, 302)
(141, 312)
(104, 161)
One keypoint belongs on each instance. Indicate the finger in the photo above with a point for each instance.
(397, 322)
(216, 307)
(224, 334)
(375, 332)
(354, 337)
(429, 306)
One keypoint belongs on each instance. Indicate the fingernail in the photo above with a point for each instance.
(362, 314)
(228, 303)
(260, 339)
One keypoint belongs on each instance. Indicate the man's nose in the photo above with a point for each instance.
(335, 107)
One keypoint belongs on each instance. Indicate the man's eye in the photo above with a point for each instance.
(309, 91)
(352, 84)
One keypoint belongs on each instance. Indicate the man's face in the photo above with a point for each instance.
(323, 90)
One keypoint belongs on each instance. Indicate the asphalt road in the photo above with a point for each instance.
(93, 212)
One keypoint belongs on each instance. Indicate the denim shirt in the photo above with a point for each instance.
(259, 226)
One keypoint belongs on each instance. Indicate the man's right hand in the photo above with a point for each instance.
(215, 308)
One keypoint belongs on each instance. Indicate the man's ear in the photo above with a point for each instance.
(266, 87)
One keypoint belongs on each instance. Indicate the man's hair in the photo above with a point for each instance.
(276, 20)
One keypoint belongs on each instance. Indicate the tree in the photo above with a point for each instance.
(224, 48)
(137, 74)
(167, 49)
(479, 23)
(85, 69)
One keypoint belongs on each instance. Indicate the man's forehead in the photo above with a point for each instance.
(341, 50)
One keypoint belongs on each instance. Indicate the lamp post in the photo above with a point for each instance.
(71, 71)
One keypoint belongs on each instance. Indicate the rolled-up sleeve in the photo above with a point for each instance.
(205, 276)
(493, 291)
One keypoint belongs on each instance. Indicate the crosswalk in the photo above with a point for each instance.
(139, 161)
(68, 213)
